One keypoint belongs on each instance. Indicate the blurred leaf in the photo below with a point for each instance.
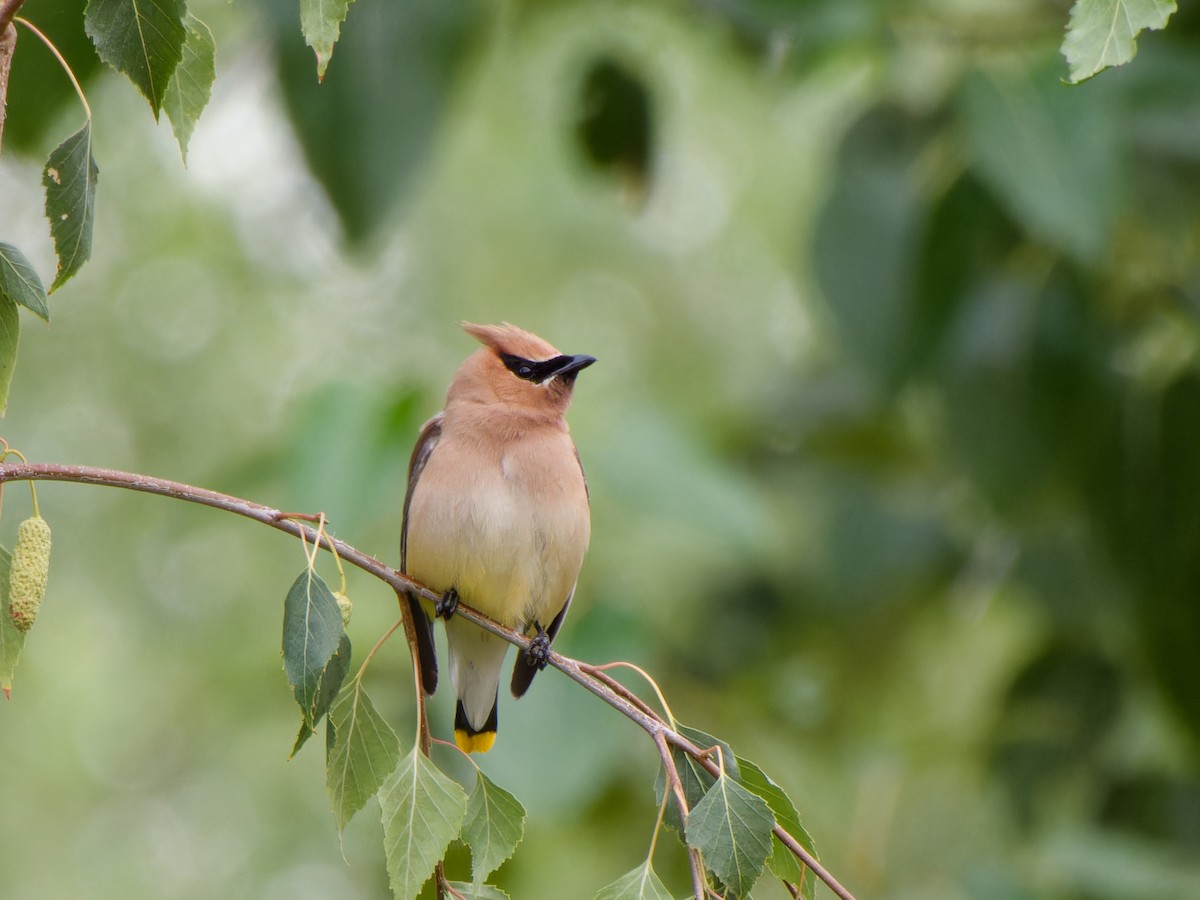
(1029, 390)
(70, 182)
(782, 862)
(316, 650)
(191, 83)
(12, 639)
(731, 828)
(1050, 155)
(965, 234)
(640, 884)
(1103, 33)
(1157, 806)
(1148, 514)
(143, 39)
(366, 129)
(1057, 712)
(616, 123)
(324, 470)
(10, 335)
(1075, 398)
(874, 212)
(19, 282)
(494, 825)
(321, 24)
(361, 752)
(479, 891)
(422, 811)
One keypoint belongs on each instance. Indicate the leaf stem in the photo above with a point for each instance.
(379, 643)
(599, 672)
(61, 61)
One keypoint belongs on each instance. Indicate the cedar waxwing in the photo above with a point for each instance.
(496, 514)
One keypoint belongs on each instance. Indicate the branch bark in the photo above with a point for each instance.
(597, 683)
(8, 45)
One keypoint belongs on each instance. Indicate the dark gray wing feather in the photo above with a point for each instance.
(431, 432)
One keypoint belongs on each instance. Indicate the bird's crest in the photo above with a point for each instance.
(505, 338)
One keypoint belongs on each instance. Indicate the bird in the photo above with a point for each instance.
(497, 515)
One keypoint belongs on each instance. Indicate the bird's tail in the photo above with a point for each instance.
(470, 739)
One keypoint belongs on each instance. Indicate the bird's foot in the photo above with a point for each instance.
(538, 653)
(445, 607)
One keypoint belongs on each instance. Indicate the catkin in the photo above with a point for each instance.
(30, 567)
(344, 606)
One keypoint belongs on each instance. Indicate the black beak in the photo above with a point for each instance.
(567, 367)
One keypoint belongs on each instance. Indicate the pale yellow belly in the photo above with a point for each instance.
(511, 555)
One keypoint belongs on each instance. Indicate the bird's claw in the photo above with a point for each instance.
(445, 608)
(538, 653)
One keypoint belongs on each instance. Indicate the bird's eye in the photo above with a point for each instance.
(521, 367)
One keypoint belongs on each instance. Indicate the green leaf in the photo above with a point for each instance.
(191, 83)
(361, 751)
(70, 182)
(640, 884)
(10, 335)
(494, 825)
(782, 862)
(694, 778)
(143, 39)
(1103, 33)
(422, 812)
(328, 686)
(316, 649)
(19, 282)
(731, 828)
(12, 639)
(479, 891)
(321, 24)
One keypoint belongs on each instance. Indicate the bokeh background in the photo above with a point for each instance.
(894, 441)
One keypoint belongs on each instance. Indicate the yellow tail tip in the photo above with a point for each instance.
(480, 742)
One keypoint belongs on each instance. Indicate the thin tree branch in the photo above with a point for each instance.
(633, 709)
(620, 689)
(9, 9)
(177, 490)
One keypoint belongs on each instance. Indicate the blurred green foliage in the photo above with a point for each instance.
(894, 443)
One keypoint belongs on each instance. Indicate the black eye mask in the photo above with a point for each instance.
(541, 372)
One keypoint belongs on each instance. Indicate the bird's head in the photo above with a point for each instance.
(518, 368)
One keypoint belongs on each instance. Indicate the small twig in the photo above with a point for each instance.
(620, 699)
(439, 871)
(675, 786)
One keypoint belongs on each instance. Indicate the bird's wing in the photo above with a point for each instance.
(431, 432)
(524, 668)
(587, 491)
